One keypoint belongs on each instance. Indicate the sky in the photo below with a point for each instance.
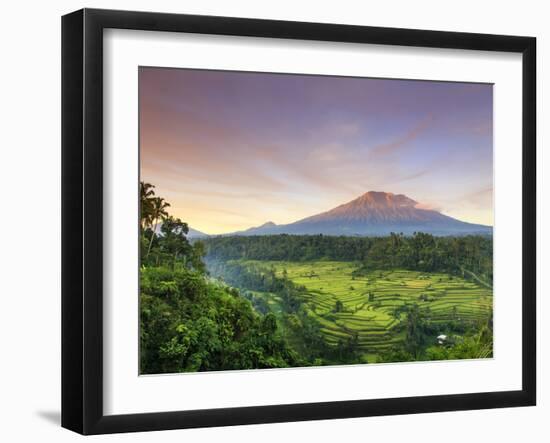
(232, 150)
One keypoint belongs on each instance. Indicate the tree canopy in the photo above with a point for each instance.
(189, 322)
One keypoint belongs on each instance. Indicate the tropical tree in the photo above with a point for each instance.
(159, 206)
(174, 241)
(147, 194)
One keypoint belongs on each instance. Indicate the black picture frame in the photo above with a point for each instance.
(82, 215)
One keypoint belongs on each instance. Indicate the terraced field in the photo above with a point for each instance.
(368, 303)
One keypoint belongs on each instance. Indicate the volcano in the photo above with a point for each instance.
(371, 214)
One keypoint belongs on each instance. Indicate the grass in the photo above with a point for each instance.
(369, 301)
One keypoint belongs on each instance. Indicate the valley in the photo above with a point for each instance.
(367, 311)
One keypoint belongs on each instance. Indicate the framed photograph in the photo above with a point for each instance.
(268, 221)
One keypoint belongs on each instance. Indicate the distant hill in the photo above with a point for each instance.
(266, 228)
(192, 234)
(374, 213)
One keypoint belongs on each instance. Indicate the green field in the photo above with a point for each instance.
(369, 302)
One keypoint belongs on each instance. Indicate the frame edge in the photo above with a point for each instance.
(72, 221)
(529, 220)
(81, 222)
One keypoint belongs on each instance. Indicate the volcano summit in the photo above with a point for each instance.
(371, 214)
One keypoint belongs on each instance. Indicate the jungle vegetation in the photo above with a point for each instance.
(241, 302)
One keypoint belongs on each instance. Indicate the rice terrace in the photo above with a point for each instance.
(367, 308)
(370, 304)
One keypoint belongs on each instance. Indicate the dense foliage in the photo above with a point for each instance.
(189, 322)
(422, 252)
(300, 329)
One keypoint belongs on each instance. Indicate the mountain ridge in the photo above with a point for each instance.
(372, 213)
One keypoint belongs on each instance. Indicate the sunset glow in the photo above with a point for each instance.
(232, 150)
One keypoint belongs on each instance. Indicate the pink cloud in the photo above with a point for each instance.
(402, 141)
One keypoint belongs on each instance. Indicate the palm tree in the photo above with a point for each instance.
(158, 212)
(147, 194)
